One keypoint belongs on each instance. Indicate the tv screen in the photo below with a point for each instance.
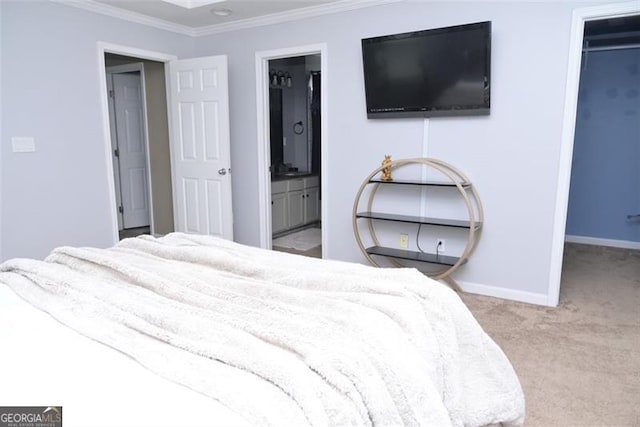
(436, 72)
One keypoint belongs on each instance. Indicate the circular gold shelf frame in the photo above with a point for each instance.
(459, 180)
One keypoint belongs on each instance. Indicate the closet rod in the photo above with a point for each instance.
(614, 47)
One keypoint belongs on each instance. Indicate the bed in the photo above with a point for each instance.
(197, 330)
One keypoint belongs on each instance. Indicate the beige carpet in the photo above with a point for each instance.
(579, 363)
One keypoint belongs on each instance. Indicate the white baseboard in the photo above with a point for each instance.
(509, 294)
(625, 244)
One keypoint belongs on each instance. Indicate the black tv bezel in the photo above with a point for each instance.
(467, 110)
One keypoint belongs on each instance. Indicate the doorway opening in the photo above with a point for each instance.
(603, 216)
(127, 122)
(601, 22)
(295, 145)
(292, 128)
(194, 158)
(606, 149)
(139, 151)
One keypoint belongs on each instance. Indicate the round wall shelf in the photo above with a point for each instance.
(365, 221)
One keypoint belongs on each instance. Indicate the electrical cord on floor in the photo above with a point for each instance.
(438, 248)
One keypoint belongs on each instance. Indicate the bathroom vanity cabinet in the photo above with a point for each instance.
(294, 203)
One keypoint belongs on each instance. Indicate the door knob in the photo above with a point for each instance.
(222, 171)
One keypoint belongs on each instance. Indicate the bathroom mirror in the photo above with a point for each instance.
(294, 109)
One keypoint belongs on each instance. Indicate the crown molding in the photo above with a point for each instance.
(292, 15)
(275, 18)
(126, 15)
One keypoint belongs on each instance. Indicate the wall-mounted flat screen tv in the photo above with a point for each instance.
(429, 73)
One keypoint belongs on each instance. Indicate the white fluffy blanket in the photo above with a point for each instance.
(279, 338)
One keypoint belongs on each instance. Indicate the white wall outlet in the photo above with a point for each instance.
(440, 246)
(404, 240)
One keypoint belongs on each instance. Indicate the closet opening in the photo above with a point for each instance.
(603, 213)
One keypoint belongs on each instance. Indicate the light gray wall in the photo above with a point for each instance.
(58, 195)
(511, 156)
(50, 90)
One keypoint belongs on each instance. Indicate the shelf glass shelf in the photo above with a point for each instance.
(412, 255)
(419, 182)
(417, 219)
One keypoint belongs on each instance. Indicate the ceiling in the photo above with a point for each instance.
(201, 17)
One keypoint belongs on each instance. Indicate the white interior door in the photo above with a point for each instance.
(201, 146)
(114, 142)
(131, 149)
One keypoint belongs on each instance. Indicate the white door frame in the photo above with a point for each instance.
(264, 153)
(102, 48)
(139, 67)
(580, 16)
